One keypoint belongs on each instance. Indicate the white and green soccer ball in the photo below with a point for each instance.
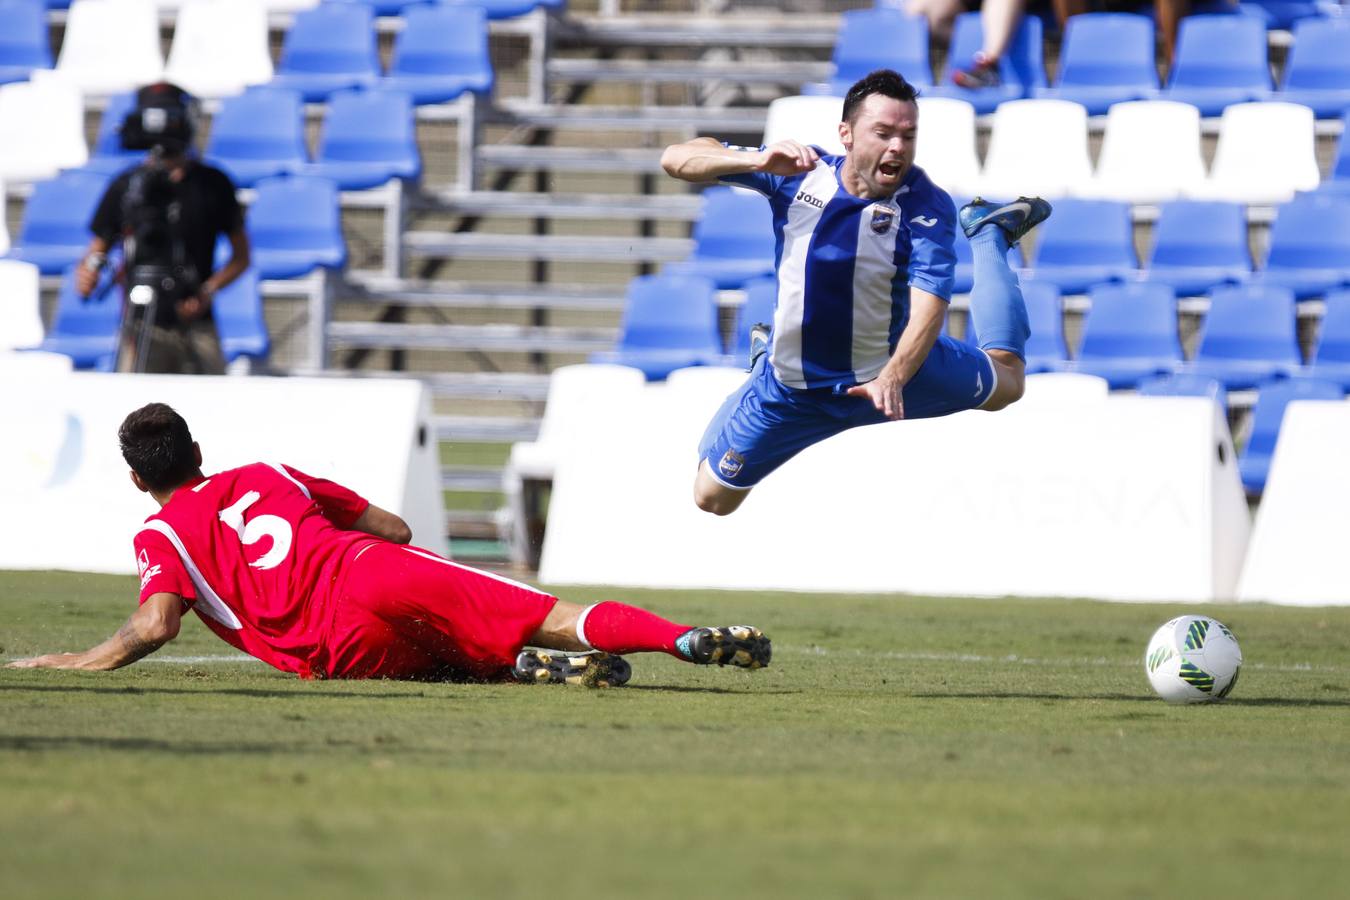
(1193, 659)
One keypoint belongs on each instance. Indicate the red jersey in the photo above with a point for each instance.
(255, 551)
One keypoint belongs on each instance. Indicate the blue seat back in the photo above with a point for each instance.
(23, 35)
(1200, 233)
(1320, 56)
(296, 213)
(1221, 52)
(261, 123)
(671, 312)
(882, 38)
(59, 210)
(98, 316)
(109, 140)
(238, 311)
(1087, 232)
(1341, 168)
(760, 296)
(1312, 231)
(1024, 62)
(1184, 385)
(331, 39)
(1250, 323)
(1107, 50)
(1045, 315)
(442, 40)
(1271, 402)
(1131, 320)
(1333, 344)
(369, 126)
(734, 224)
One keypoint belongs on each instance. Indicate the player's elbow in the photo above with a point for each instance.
(159, 630)
(672, 160)
(399, 532)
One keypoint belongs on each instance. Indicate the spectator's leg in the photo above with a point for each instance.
(1169, 14)
(1066, 8)
(1000, 19)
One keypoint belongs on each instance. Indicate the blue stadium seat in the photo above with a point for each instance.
(1185, 386)
(733, 239)
(1280, 14)
(880, 39)
(1220, 60)
(329, 48)
(1317, 72)
(669, 322)
(259, 134)
(1086, 242)
(385, 7)
(295, 227)
(238, 311)
(55, 229)
(1309, 246)
(1248, 337)
(507, 9)
(1130, 334)
(86, 330)
(1331, 359)
(441, 53)
(1339, 182)
(1267, 416)
(1106, 58)
(1022, 66)
(1198, 246)
(23, 39)
(368, 138)
(108, 155)
(761, 295)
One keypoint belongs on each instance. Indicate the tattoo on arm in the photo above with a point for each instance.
(135, 646)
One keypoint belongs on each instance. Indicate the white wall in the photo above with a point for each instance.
(68, 502)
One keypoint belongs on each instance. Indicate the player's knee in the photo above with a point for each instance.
(1012, 380)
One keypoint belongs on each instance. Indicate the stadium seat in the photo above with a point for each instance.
(110, 48)
(1309, 246)
(4, 228)
(1248, 337)
(385, 7)
(295, 227)
(86, 329)
(23, 39)
(1045, 350)
(1185, 386)
(41, 128)
(1267, 415)
(1220, 60)
(441, 53)
(1022, 66)
(807, 120)
(259, 134)
(329, 48)
(220, 47)
(733, 239)
(108, 156)
(1037, 148)
(1130, 334)
(506, 9)
(1317, 71)
(20, 305)
(1199, 245)
(669, 322)
(947, 148)
(761, 295)
(1266, 152)
(55, 230)
(368, 138)
(289, 6)
(881, 38)
(21, 365)
(1339, 182)
(1085, 242)
(238, 311)
(1106, 58)
(1150, 152)
(1284, 14)
(1331, 358)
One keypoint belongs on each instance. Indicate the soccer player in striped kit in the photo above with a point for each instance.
(865, 271)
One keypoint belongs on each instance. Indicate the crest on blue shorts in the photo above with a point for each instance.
(731, 464)
(882, 217)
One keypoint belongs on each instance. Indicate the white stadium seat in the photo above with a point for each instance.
(111, 46)
(219, 47)
(24, 367)
(1150, 152)
(808, 120)
(20, 309)
(4, 229)
(41, 128)
(1266, 153)
(1037, 148)
(947, 144)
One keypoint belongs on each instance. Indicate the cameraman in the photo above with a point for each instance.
(168, 212)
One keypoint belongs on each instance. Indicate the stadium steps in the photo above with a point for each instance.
(485, 429)
(376, 287)
(472, 479)
(546, 247)
(798, 30)
(735, 119)
(734, 71)
(472, 525)
(495, 337)
(569, 159)
(675, 207)
(517, 386)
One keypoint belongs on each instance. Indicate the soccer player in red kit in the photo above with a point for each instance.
(309, 577)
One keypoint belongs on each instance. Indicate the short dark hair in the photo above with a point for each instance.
(887, 82)
(157, 445)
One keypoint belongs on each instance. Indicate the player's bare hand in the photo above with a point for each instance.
(886, 392)
(50, 661)
(787, 158)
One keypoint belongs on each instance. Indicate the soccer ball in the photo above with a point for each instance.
(1193, 659)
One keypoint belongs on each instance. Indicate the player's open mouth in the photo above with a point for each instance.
(889, 170)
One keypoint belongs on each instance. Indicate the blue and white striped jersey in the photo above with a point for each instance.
(845, 266)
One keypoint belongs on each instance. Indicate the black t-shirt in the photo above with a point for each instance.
(208, 209)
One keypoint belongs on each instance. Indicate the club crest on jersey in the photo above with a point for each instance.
(730, 464)
(882, 218)
(147, 571)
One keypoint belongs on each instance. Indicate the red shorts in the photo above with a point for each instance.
(403, 612)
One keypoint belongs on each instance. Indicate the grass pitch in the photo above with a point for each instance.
(898, 746)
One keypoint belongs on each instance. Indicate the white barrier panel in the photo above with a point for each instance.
(1298, 553)
(68, 501)
(1071, 493)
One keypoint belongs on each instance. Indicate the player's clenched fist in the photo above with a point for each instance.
(787, 158)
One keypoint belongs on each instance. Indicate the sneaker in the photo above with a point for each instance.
(556, 667)
(1016, 218)
(981, 73)
(737, 645)
(759, 341)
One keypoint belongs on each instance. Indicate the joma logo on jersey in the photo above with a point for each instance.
(814, 201)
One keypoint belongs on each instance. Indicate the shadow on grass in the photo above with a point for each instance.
(692, 689)
(1131, 698)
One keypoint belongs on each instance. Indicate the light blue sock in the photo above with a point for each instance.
(996, 303)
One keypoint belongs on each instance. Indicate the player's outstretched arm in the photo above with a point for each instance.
(383, 524)
(150, 627)
(926, 312)
(705, 159)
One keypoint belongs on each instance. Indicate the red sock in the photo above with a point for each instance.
(620, 628)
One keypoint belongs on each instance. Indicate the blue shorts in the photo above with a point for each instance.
(765, 423)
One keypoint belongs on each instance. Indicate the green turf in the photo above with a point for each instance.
(898, 747)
